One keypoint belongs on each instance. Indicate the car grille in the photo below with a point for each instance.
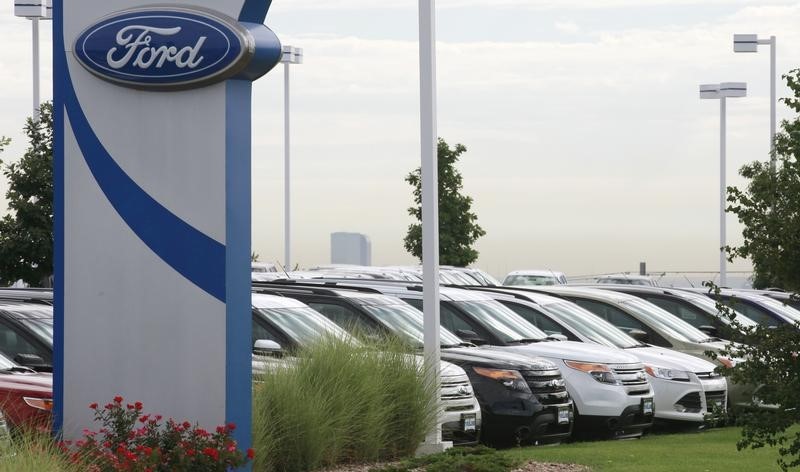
(457, 394)
(633, 378)
(715, 398)
(548, 386)
(691, 402)
(706, 375)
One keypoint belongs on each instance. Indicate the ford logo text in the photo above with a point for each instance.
(165, 48)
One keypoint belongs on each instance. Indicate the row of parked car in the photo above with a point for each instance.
(520, 364)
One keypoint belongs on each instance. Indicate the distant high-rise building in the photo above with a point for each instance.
(351, 248)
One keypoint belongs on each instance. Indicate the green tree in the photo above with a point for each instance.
(767, 357)
(26, 232)
(458, 225)
(769, 207)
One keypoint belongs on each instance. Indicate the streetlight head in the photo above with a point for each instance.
(708, 91)
(745, 43)
(733, 89)
(32, 8)
(292, 55)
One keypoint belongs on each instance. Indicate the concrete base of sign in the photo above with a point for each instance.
(427, 449)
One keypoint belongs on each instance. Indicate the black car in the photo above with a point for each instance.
(26, 327)
(522, 400)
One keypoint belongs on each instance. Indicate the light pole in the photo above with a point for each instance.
(749, 43)
(34, 10)
(291, 55)
(430, 208)
(721, 92)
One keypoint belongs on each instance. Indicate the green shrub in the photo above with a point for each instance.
(340, 401)
(477, 459)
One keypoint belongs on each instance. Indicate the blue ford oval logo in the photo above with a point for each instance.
(165, 48)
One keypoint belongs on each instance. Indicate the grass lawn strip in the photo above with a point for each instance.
(708, 451)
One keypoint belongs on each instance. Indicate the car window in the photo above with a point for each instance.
(415, 302)
(693, 316)
(537, 319)
(612, 314)
(753, 311)
(261, 331)
(343, 316)
(13, 343)
(452, 321)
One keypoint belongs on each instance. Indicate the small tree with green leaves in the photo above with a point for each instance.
(458, 224)
(769, 208)
(766, 357)
(26, 232)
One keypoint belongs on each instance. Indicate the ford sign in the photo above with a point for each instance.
(165, 48)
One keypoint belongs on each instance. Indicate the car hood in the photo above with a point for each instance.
(26, 381)
(494, 359)
(670, 359)
(570, 350)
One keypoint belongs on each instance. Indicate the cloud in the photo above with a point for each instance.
(586, 156)
(569, 27)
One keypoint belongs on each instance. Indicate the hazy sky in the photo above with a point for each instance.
(589, 149)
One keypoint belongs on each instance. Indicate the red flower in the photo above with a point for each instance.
(211, 452)
(221, 429)
(138, 405)
(231, 426)
(251, 453)
(93, 406)
(186, 425)
(117, 399)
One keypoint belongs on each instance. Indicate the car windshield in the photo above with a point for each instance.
(666, 322)
(710, 306)
(484, 278)
(303, 325)
(531, 280)
(590, 325)
(37, 318)
(501, 320)
(782, 308)
(406, 321)
(5, 363)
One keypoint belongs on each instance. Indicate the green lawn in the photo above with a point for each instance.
(711, 451)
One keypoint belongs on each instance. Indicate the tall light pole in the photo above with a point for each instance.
(291, 55)
(430, 207)
(749, 43)
(721, 92)
(34, 10)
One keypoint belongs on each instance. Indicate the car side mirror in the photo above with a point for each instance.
(639, 335)
(709, 330)
(557, 337)
(267, 347)
(470, 336)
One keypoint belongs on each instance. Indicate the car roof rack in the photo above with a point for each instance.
(326, 287)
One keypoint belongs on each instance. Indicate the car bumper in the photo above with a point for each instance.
(691, 401)
(608, 408)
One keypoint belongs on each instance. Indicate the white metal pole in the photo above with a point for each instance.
(430, 200)
(773, 99)
(36, 103)
(723, 278)
(287, 226)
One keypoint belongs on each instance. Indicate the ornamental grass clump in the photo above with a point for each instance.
(341, 401)
(32, 451)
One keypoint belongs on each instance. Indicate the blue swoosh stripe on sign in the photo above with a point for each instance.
(254, 11)
(191, 253)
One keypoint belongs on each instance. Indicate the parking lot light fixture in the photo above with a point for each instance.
(290, 55)
(34, 10)
(722, 92)
(750, 43)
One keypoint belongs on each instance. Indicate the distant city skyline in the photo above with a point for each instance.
(588, 148)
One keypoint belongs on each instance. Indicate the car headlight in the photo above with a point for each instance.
(667, 374)
(45, 404)
(511, 379)
(600, 372)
